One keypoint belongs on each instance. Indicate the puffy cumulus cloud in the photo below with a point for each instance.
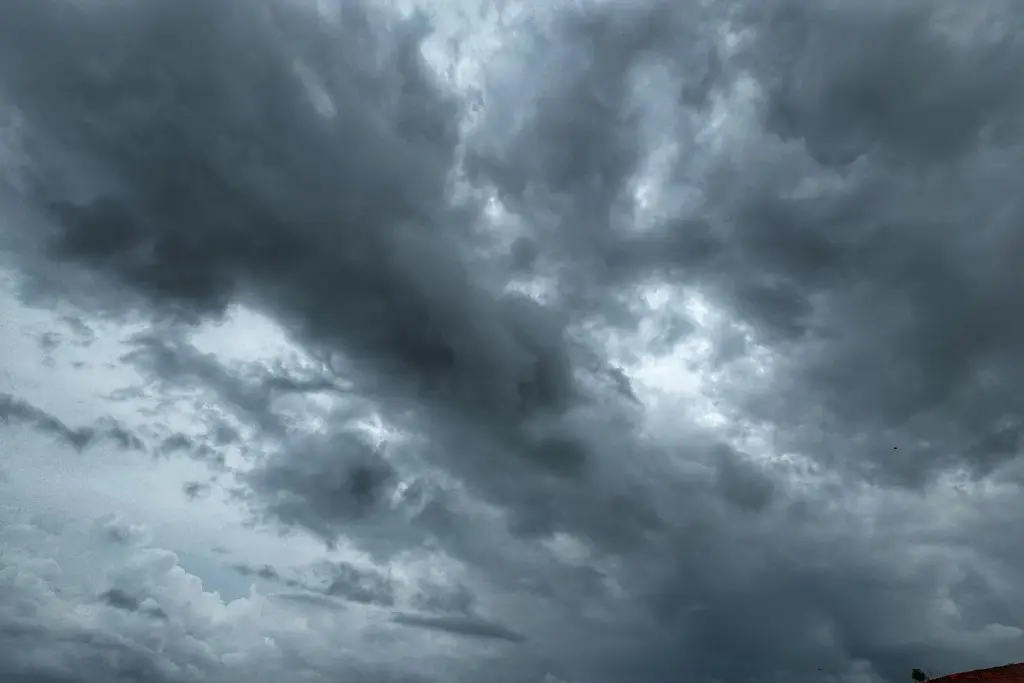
(682, 349)
(134, 612)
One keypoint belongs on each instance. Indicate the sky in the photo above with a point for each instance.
(599, 341)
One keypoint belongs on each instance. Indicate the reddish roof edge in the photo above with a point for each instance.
(1008, 673)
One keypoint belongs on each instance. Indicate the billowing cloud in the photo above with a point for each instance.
(828, 190)
(158, 622)
(677, 335)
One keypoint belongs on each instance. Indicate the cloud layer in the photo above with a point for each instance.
(635, 341)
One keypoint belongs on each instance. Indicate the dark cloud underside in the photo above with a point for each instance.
(842, 191)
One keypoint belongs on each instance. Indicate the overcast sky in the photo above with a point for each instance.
(600, 341)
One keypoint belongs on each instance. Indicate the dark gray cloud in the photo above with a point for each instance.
(367, 587)
(841, 192)
(402, 298)
(265, 572)
(115, 597)
(72, 652)
(380, 272)
(209, 451)
(72, 330)
(14, 410)
(457, 599)
(740, 482)
(323, 484)
(251, 393)
(123, 600)
(119, 532)
(313, 599)
(459, 625)
(846, 226)
(194, 490)
(330, 582)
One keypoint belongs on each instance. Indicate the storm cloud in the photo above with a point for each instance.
(679, 335)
